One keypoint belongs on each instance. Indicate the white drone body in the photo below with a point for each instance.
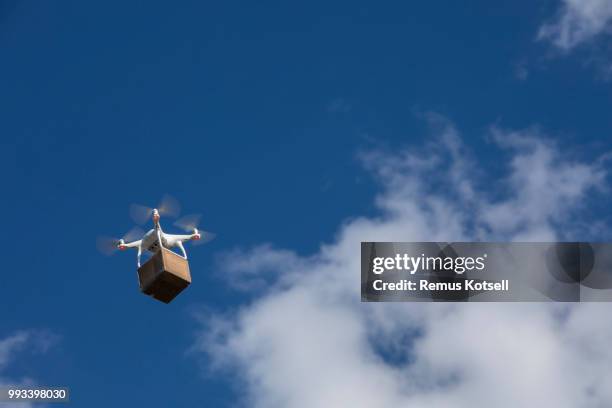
(155, 239)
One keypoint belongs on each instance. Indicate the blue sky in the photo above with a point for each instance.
(253, 115)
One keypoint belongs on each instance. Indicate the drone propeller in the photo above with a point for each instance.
(168, 206)
(108, 245)
(190, 223)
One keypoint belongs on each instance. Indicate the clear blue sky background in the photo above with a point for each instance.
(249, 113)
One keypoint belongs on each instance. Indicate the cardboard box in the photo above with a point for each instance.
(164, 276)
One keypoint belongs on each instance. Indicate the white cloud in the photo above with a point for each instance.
(308, 341)
(11, 346)
(577, 22)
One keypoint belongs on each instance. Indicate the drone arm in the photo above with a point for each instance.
(133, 244)
(174, 239)
(182, 238)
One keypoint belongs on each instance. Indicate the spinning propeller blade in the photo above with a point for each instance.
(168, 206)
(190, 223)
(134, 234)
(206, 237)
(108, 245)
(140, 213)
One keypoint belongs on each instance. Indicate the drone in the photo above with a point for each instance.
(155, 239)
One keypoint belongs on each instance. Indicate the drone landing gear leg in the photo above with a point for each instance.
(139, 253)
(180, 245)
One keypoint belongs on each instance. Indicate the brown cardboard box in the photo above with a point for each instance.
(164, 276)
